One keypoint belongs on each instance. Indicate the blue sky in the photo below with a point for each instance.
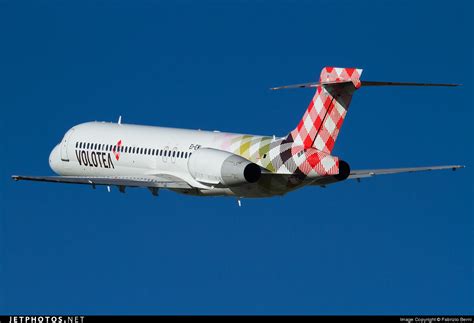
(388, 245)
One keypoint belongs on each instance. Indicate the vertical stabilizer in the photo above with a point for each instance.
(325, 114)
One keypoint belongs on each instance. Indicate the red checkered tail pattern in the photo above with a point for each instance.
(323, 119)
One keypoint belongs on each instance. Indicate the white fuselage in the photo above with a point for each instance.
(111, 149)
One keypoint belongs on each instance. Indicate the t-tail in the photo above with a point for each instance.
(323, 119)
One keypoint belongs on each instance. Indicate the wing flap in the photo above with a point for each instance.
(159, 181)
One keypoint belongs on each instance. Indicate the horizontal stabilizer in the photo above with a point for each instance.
(375, 83)
(308, 85)
(363, 83)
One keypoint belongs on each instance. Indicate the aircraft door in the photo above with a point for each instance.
(64, 145)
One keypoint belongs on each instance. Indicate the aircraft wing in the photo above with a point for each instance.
(152, 181)
(356, 174)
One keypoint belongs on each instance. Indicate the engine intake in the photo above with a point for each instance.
(214, 166)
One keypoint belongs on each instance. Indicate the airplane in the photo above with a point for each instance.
(213, 163)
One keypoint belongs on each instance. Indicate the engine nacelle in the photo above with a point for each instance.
(214, 166)
(344, 171)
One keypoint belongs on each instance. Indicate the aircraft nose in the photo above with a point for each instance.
(54, 159)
